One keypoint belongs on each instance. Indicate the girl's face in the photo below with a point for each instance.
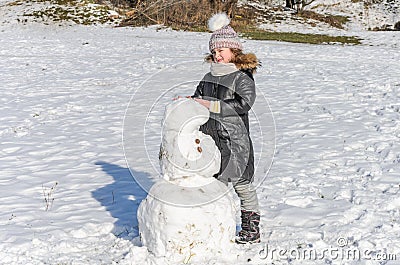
(222, 55)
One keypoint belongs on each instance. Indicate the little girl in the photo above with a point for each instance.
(228, 91)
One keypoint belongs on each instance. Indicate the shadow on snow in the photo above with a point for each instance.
(121, 198)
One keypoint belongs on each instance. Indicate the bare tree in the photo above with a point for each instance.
(290, 3)
(298, 5)
(301, 4)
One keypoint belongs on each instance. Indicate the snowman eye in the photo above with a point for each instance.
(197, 141)
(199, 149)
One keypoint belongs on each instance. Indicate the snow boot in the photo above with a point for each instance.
(250, 232)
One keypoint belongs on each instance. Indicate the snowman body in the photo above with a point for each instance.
(188, 215)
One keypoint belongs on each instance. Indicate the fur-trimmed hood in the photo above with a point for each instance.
(243, 61)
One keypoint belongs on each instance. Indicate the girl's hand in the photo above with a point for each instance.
(181, 97)
(203, 102)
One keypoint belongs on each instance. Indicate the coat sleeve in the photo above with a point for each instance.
(198, 93)
(244, 97)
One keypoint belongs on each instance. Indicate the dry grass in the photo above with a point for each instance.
(334, 21)
(301, 37)
(182, 14)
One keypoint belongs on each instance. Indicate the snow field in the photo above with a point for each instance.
(64, 95)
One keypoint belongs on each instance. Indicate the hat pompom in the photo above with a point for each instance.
(218, 21)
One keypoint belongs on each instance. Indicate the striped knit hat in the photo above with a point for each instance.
(223, 35)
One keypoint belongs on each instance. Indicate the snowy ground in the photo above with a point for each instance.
(362, 15)
(68, 196)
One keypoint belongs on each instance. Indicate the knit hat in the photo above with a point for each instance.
(223, 35)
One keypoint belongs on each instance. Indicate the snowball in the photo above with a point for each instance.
(200, 230)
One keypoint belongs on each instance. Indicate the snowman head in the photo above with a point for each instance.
(185, 151)
(185, 116)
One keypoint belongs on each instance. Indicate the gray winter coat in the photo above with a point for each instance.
(229, 128)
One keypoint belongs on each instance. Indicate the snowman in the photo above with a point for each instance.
(188, 215)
